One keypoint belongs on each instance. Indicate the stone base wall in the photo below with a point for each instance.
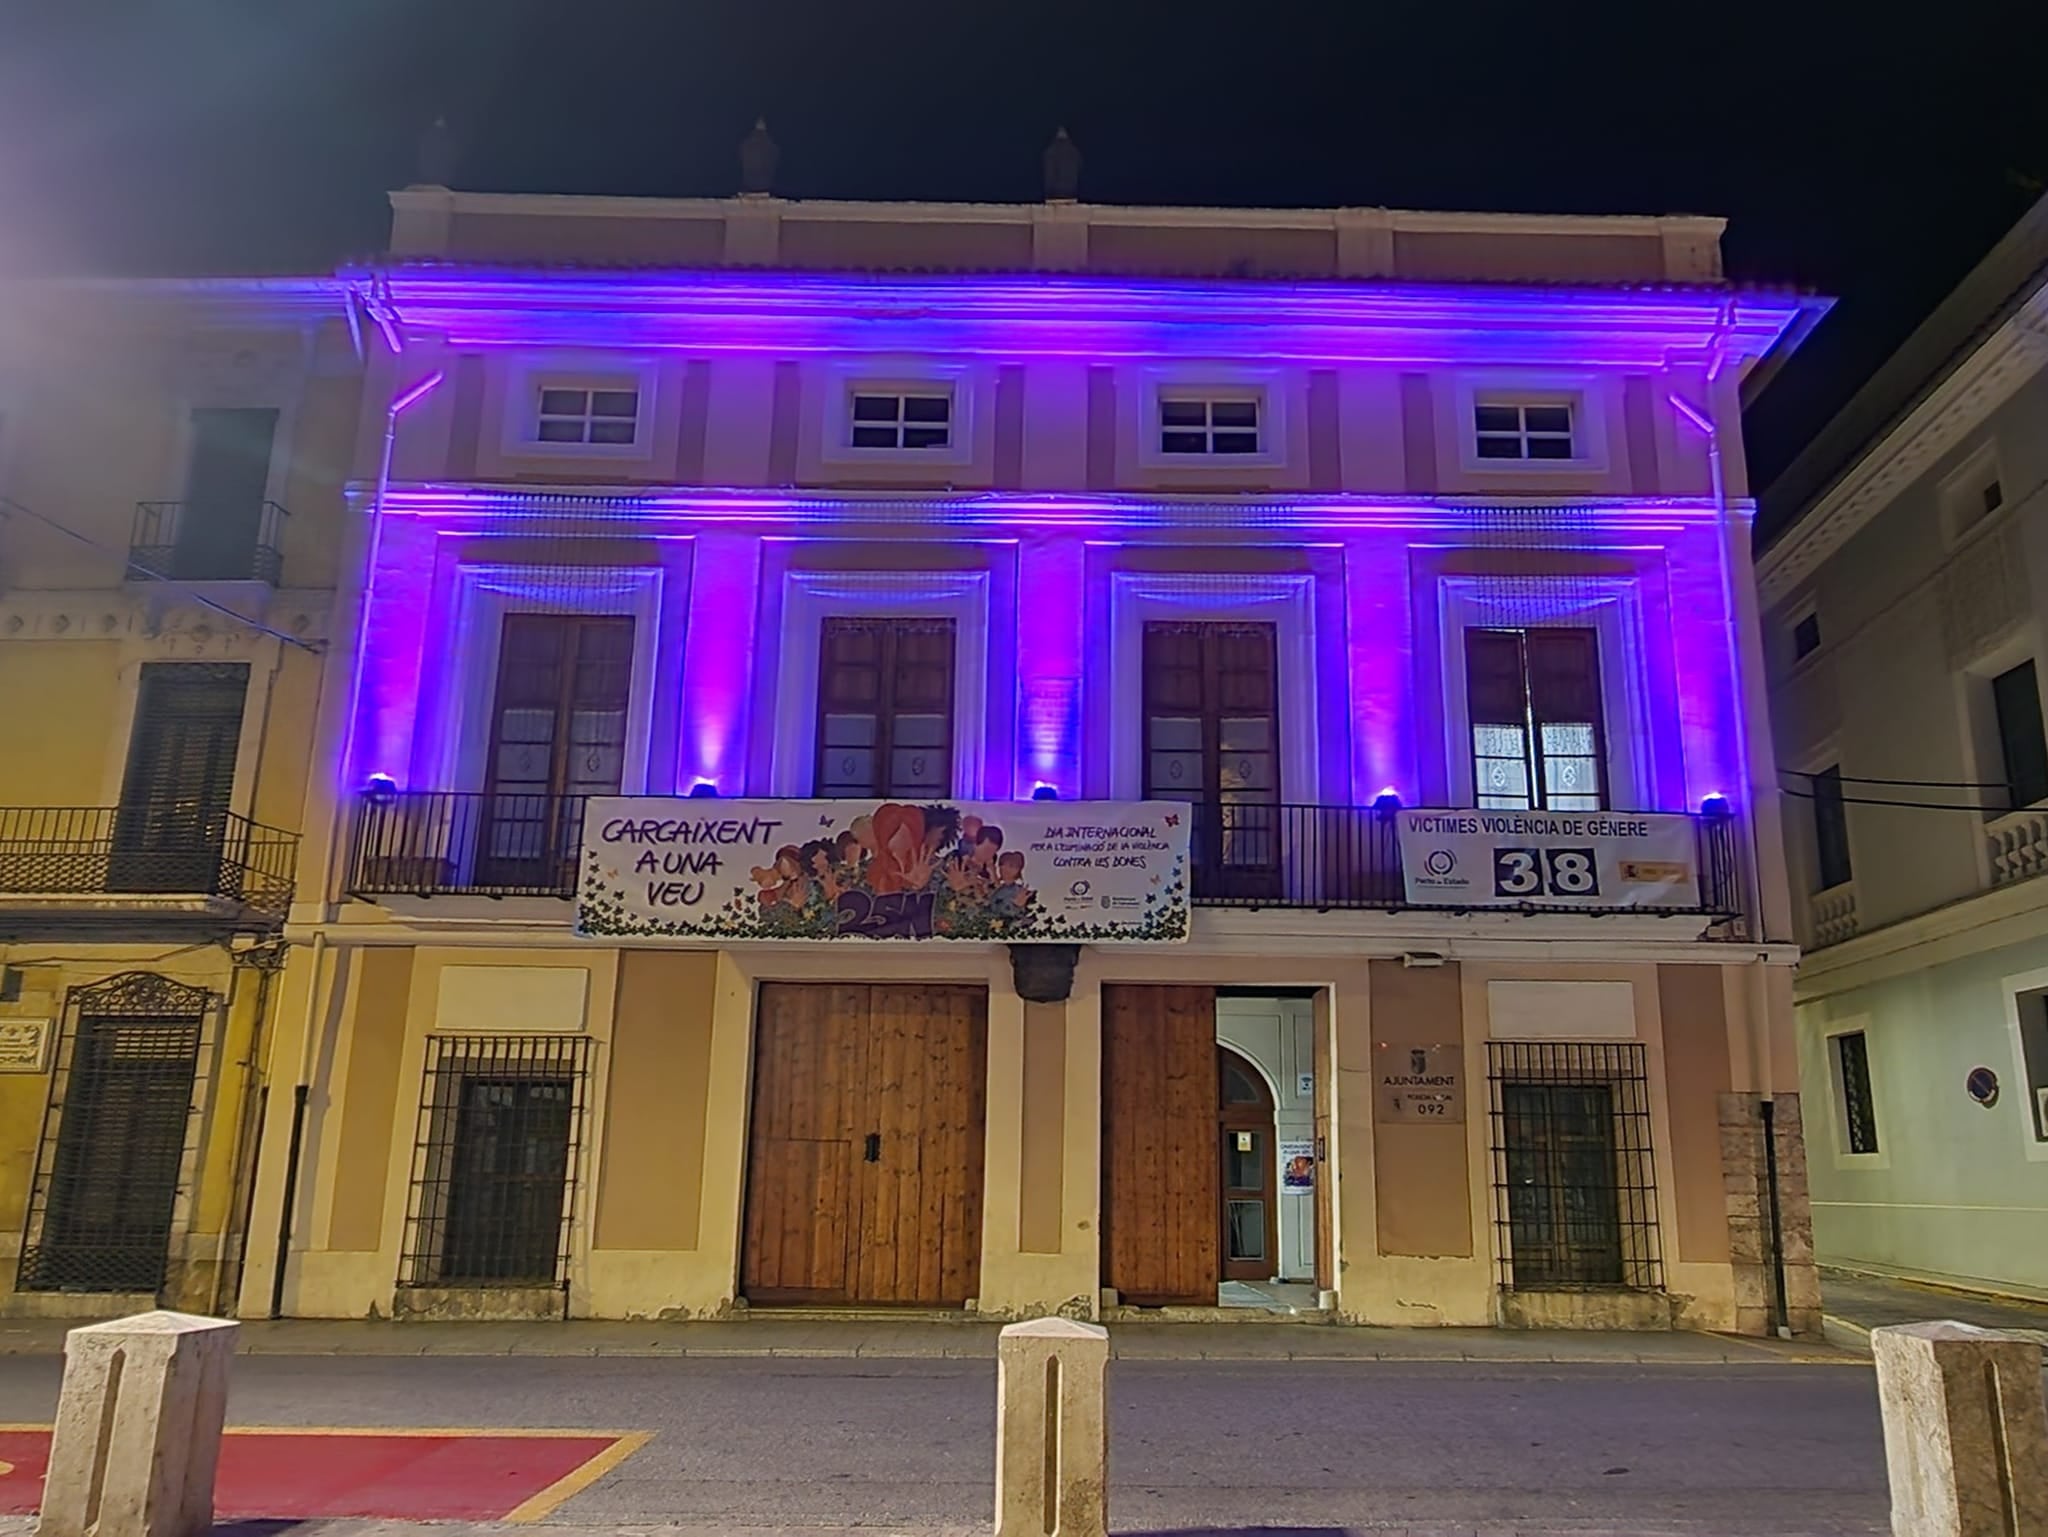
(1745, 1176)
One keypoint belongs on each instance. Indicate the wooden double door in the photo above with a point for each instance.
(864, 1168)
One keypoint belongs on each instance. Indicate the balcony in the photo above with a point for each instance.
(191, 862)
(201, 542)
(444, 843)
(1831, 914)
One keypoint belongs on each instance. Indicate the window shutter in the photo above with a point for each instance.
(1493, 678)
(1564, 676)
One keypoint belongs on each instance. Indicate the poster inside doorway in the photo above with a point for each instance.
(1012, 871)
(1297, 1167)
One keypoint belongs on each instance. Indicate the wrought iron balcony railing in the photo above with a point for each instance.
(448, 843)
(177, 849)
(202, 542)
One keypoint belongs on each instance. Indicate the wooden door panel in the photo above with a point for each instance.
(920, 1235)
(835, 1065)
(803, 1194)
(1159, 1165)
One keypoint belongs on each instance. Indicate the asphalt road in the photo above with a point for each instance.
(1740, 1451)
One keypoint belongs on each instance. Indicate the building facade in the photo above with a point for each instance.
(881, 523)
(172, 456)
(1311, 537)
(1904, 631)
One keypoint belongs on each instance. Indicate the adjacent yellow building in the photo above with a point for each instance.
(171, 461)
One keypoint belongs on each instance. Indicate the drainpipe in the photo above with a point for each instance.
(387, 321)
(1759, 1011)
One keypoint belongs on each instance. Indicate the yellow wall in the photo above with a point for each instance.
(57, 716)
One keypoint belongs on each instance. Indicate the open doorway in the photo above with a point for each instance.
(1266, 1118)
(1211, 1158)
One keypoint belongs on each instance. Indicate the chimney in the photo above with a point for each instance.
(436, 157)
(758, 157)
(1062, 170)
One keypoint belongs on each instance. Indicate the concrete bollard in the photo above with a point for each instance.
(1965, 1430)
(1052, 1430)
(138, 1428)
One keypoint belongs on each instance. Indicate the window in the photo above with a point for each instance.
(2033, 1022)
(1830, 827)
(1972, 493)
(172, 824)
(902, 419)
(1505, 429)
(2023, 749)
(495, 1171)
(588, 415)
(1806, 637)
(558, 734)
(885, 708)
(1573, 1172)
(1851, 1053)
(1208, 425)
(1534, 701)
(1212, 738)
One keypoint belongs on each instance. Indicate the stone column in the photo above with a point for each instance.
(138, 1428)
(1965, 1430)
(1052, 1430)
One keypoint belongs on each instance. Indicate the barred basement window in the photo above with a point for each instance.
(1574, 1180)
(494, 1169)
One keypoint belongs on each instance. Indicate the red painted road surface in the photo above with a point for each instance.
(294, 1476)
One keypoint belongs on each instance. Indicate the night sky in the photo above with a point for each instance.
(1871, 151)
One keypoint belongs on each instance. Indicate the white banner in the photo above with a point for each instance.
(1549, 859)
(1052, 871)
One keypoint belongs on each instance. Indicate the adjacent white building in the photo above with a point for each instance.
(1903, 631)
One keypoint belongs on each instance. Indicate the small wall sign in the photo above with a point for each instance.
(1305, 1085)
(24, 1045)
(1982, 1086)
(1420, 1084)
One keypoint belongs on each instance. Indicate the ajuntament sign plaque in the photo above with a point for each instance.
(1422, 1085)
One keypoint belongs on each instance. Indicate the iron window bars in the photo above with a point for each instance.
(110, 1166)
(494, 1161)
(1574, 1176)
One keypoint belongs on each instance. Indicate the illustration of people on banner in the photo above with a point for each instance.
(893, 870)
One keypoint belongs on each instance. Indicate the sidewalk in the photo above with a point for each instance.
(882, 1338)
(24, 1526)
(1853, 1304)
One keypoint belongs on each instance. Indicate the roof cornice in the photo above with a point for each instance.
(1647, 325)
(1983, 381)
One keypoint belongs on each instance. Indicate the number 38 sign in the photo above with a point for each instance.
(1526, 874)
(1549, 859)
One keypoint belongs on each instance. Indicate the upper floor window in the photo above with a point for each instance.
(1209, 424)
(2022, 743)
(885, 708)
(1973, 493)
(914, 419)
(1830, 828)
(1212, 737)
(579, 414)
(558, 733)
(1806, 637)
(1538, 741)
(1523, 429)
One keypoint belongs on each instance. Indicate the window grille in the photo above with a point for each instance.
(110, 1167)
(1574, 1179)
(495, 1159)
(1859, 1106)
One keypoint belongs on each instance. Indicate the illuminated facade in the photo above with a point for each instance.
(911, 504)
